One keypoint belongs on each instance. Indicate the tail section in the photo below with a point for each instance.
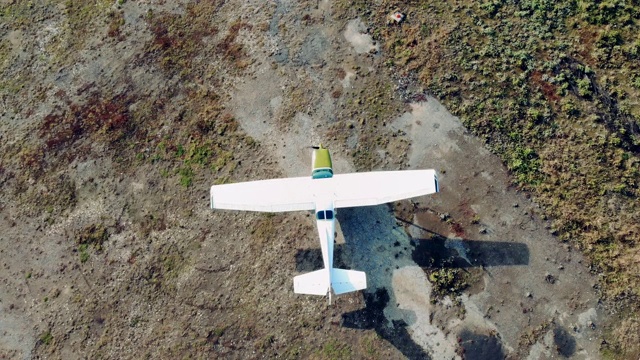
(313, 283)
(344, 281)
(321, 282)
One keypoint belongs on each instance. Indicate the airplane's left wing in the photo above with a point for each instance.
(275, 195)
(379, 187)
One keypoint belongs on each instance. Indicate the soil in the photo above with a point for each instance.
(132, 263)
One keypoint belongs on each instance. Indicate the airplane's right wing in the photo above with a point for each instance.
(275, 195)
(379, 187)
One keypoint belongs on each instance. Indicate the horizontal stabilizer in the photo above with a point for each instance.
(344, 281)
(313, 283)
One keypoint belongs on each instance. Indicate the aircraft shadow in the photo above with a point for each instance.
(371, 233)
(372, 317)
(308, 260)
(440, 251)
(367, 230)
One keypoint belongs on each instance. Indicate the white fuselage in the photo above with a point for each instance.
(326, 232)
(326, 223)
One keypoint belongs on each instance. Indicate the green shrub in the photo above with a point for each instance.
(186, 176)
(584, 87)
(46, 338)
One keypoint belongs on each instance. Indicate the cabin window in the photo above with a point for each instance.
(324, 215)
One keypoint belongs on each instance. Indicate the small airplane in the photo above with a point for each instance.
(324, 192)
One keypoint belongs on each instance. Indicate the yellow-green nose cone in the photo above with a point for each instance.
(322, 167)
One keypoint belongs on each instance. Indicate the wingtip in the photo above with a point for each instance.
(211, 198)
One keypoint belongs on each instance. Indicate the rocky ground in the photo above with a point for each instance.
(116, 119)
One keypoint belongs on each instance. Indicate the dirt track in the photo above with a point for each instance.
(219, 284)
